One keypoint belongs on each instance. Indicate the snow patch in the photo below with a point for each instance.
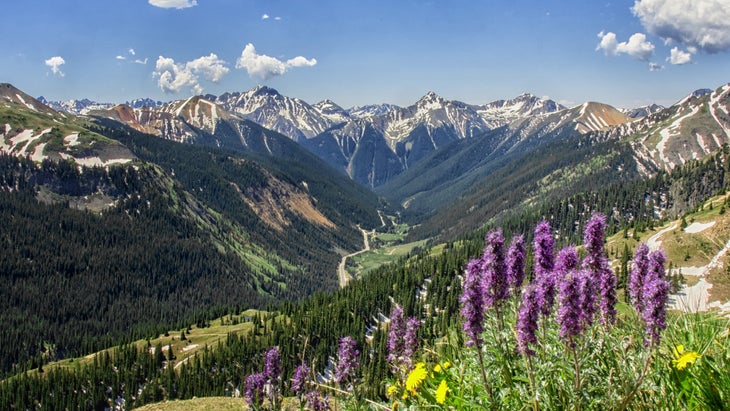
(691, 299)
(671, 131)
(37, 155)
(696, 227)
(654, 241)
(30, 106)
(72, 139)
(190, 347)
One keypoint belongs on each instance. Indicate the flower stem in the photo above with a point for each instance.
(576, 363)
(531, 375)
(625, 403)
(484, 376)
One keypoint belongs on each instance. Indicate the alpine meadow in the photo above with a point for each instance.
(215, 205)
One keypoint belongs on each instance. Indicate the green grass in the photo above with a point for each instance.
(196, 340)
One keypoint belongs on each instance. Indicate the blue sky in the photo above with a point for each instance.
(624, 53)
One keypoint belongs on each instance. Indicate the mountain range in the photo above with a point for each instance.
(435, 153)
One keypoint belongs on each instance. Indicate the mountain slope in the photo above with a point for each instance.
(451, 172)
(374, 149)
(29, 128)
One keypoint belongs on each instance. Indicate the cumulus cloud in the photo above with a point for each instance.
(173, 4)
(678, 57)
(265, 17)
(121, 58)
(132, 52)
(55, 64)
(265, 67)
(173, 77)
(637, 47)
(697, 24)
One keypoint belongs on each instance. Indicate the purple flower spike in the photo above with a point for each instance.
(396, 334)
(597, 263)
(527, 320)
(254, 393)
(272, 366)
(516, 263)
(299, 379)
(495, 270)
(410, 340)
(543, 247)
(587, 298)
(657, 259)
(567, 261)
(639, 272)
(656, 294)
(472, 301)
(346, 359)
(570, 314)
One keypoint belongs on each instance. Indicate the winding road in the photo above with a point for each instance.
(342, 274)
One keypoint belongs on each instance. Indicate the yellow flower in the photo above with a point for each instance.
(416, 377)
(441, 392)
(438, 368)
(682, 359)
(391, 390)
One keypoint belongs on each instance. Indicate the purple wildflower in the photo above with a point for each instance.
(473, 303)
(516, 262)
(527, 320)
(656, 294)
(299, 378)
(656, 266)
(272, 366)
(254, 393)
(566, 261)
(495, 270)
(316, 402)
(587, 298)
(597, 263)
(543, 247)
(346, 359)
(395, 334)
(272, 371)
(639, 272)
(410, 339)
(569, 310)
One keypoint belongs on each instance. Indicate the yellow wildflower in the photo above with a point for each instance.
(682, 359)
(391, 390)
(441, 392)
(438, 368)
(416, 377)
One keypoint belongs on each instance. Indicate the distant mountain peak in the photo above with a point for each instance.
(261, 90)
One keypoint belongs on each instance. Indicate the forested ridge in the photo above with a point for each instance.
(426, 285)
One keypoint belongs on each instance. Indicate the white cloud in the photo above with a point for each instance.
(121, 58)
(173, 4)
(637, 47)
(655, 67)
(138, 61)
(265, 17)
(265, 67)
(678, 57)
(132, 52)
(277, 18)
(55, 64)
(211, 67)
(300, 61)
(173, 77)
(701, 24)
